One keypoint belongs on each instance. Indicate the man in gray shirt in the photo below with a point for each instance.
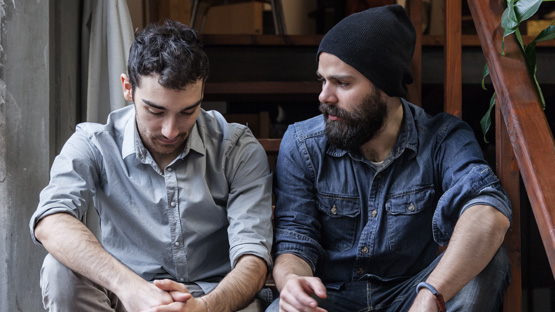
(184, 197)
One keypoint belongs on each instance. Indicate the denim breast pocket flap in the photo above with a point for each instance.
(409, 202)
(337, 207)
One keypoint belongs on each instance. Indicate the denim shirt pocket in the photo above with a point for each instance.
(409, 219)
(338, 218)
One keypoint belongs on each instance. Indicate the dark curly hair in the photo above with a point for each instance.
(171, 50)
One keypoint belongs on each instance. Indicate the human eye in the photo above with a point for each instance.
(191, 110)
(153, 111)
(342, 83)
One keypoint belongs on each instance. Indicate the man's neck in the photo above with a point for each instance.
(379, 147)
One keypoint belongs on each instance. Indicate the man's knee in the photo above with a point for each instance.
(498, 269)
(64, 290)
(56, 280)
(485, 292)
(274, 306)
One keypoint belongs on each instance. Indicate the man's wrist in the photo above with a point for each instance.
(205, 304)
(438, 297)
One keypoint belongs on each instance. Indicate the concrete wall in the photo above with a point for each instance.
(38, 88)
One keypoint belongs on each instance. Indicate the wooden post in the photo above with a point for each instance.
(507, 171)
(415, 89)
(452, 58)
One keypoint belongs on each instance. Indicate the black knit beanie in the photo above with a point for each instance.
(379, 43)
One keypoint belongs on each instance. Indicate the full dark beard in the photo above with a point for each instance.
(358, 127)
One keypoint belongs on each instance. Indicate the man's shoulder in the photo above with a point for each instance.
(214, 125)
(431, 125)
(115, 125)
(309, 128)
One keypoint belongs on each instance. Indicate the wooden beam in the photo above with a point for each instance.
(507, 171)
(264, 87)
(415, 89)
(452, 51)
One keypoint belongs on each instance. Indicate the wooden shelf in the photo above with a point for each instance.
(263, 87)
(266, 90)
(300, 89)
(314, 40)
(473, 41)
(261, 40)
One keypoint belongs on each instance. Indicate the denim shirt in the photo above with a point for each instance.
(350, 219)
(190, 222)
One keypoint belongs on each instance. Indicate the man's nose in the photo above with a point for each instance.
(327, 95)
(169, 128)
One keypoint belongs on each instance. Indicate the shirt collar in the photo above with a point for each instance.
(195, 141)
(132, 143)
(130, 135)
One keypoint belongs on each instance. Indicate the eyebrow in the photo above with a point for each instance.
(151, 104)
(335, 77)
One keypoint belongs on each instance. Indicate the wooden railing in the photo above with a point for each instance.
(523, 137)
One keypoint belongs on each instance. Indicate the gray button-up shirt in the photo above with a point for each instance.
(191, 223)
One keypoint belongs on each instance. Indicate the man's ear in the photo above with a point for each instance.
(126, 87)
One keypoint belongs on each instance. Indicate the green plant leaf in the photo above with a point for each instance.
(509, 20)
(518, 36)
(530, 56)
(524, 9)
(546, 34)
(485, 73)
(540, 93)
(485, 122)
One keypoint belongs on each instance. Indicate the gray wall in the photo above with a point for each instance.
(38, 93)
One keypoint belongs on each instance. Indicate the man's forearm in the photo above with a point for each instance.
(74, 245)
(477, 236)
(238, 288)
(287, 265)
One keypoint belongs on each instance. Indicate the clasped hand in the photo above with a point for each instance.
(163, 296)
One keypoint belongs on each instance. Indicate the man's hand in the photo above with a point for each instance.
(178, 291)
(143, 296)
(424, 302)
(183, 300)
(297, 294)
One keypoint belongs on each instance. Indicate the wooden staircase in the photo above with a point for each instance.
(524, 142)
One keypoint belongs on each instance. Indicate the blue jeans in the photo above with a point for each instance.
(483, 293)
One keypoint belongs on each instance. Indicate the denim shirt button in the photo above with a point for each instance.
(364, 249)
(334, 210)
(374, 213)
(360, 270)
(411, 207)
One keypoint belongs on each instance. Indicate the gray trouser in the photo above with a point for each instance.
(64, 290)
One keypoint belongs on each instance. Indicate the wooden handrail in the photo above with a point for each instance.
(527, 126)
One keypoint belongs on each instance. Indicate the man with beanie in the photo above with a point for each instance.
(368, 191)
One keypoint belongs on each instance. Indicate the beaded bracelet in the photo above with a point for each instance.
(205, 304)
(437, 295)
